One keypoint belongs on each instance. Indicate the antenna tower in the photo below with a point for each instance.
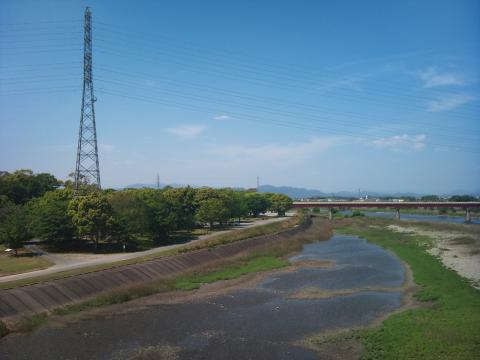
(87, 169)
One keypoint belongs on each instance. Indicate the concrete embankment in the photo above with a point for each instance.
(44, 296)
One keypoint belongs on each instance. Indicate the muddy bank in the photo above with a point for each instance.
(253, 317)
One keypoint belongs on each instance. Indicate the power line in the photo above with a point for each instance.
(262, 82)
(267, 67)
(249, 106)
(236, 94)
(257, 119)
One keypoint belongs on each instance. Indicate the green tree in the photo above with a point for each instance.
(214, 205)
(182, 203)
(5, 206)
(23, 185)
(462, 198)
(130, 211)
(238, 204)
(257, 203)
(49, 219)
(212, 210)
(280, 203)
(13, 231)
(92, 216)
(163, 220)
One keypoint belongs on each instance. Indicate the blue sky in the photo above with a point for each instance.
(332, 95)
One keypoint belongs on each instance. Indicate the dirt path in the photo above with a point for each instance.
(64, 262)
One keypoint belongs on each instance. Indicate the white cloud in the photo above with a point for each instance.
(449, 102)
(222, 117)
(281, 153)
(432, 78)
(187, 131)
(401, 142)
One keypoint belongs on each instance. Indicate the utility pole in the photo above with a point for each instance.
(87, 169)
(158, 181)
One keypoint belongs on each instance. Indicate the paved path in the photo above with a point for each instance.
(64, 263)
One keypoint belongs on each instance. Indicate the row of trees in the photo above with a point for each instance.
(122, 216)
(23, 185)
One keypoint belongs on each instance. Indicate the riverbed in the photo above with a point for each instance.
(265, 319)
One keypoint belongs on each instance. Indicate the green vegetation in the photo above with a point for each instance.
(112, 297)
(24, 262)
(32, 205)
(447, 329)
(3, 329)
(23, 185)
(248, 266)
(29, 323)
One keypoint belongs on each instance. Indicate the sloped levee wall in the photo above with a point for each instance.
(44, 296)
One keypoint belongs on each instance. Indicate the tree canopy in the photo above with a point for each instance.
(33, 205)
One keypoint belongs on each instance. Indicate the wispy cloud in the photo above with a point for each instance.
(221, 117)
(187, 131)
(449, 102)
(403, 142)
(432, 78)
(282, 153)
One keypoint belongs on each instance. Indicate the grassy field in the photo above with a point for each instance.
(24, 262)
(220, 239)
(449, 328)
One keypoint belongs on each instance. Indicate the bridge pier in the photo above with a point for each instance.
(468, 216)
(397, 214)
(330, 214)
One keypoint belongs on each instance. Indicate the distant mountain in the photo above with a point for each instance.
(293, 192)
(152, 186)
(299, 193)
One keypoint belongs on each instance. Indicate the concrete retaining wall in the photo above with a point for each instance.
(39, 297)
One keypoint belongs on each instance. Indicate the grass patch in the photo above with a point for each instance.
(110, 298)
(243, 234)
(31, 322)
(449, 329)
(3, 329)
(24, 262)
(262, 263)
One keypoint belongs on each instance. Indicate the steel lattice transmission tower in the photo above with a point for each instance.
(87, 167)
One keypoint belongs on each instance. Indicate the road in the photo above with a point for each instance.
(67, 262)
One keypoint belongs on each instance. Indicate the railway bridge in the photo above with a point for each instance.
(397, 206)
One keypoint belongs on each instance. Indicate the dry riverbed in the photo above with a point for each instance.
(458, 247)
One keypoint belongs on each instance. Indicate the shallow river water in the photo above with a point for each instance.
(260, 322)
